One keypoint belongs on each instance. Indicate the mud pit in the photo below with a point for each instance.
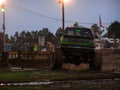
(103, 84)
(80, 78)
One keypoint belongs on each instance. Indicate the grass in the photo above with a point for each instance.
(44, 75)
(23, 76)
(9, 76)
(60, 75)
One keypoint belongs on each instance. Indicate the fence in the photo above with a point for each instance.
(26, 59)
(111, 59)
(31, 55)
(110, 54)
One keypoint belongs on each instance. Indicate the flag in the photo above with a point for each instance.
(100, 22)
(103, 30)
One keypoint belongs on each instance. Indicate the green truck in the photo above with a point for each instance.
(76, 45)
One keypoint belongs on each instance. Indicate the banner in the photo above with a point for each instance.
(41, 41)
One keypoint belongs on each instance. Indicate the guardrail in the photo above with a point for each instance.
(44, 58)
(110, 54)
(30, 55)
(26, 59)
(107, 54)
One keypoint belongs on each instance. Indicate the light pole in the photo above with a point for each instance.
(63, 15)
(62, 2)
(2, 4)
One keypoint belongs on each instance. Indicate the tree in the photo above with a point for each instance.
(58, 32)
(7, 40)
(76, 24)
(48, 35)
(21, 40)
(114, 30)
(96, 30)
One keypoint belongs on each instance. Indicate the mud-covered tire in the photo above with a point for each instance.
(96, 62)
(57, 59)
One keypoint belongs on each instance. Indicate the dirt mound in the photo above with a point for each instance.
(83, 67)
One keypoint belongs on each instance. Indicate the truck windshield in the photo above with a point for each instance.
(82, 32)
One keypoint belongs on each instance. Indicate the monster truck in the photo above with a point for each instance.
(76, 45)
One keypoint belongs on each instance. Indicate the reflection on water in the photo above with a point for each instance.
(25, 84)
(104, 84)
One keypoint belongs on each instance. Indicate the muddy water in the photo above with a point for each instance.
(102, 84)
(25, 84)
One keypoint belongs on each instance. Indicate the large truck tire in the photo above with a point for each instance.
(57, 60)
(96, 62)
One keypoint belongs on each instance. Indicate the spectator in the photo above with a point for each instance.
(35, 49)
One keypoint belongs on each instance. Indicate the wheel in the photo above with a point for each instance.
(77, 60)
(96, 61)
(57, 59)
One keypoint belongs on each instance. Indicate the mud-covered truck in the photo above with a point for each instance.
(76, 45)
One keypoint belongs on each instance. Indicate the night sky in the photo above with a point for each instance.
(32, 15)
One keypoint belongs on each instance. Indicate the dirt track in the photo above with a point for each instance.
(66, 80)
(77, 77)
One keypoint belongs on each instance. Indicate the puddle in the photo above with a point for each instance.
(21, 69)
(105, 81)
(26, 84)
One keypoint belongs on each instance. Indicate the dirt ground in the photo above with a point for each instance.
(107, 79)
(67, 80)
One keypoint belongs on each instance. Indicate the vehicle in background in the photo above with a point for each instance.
(76, 45)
